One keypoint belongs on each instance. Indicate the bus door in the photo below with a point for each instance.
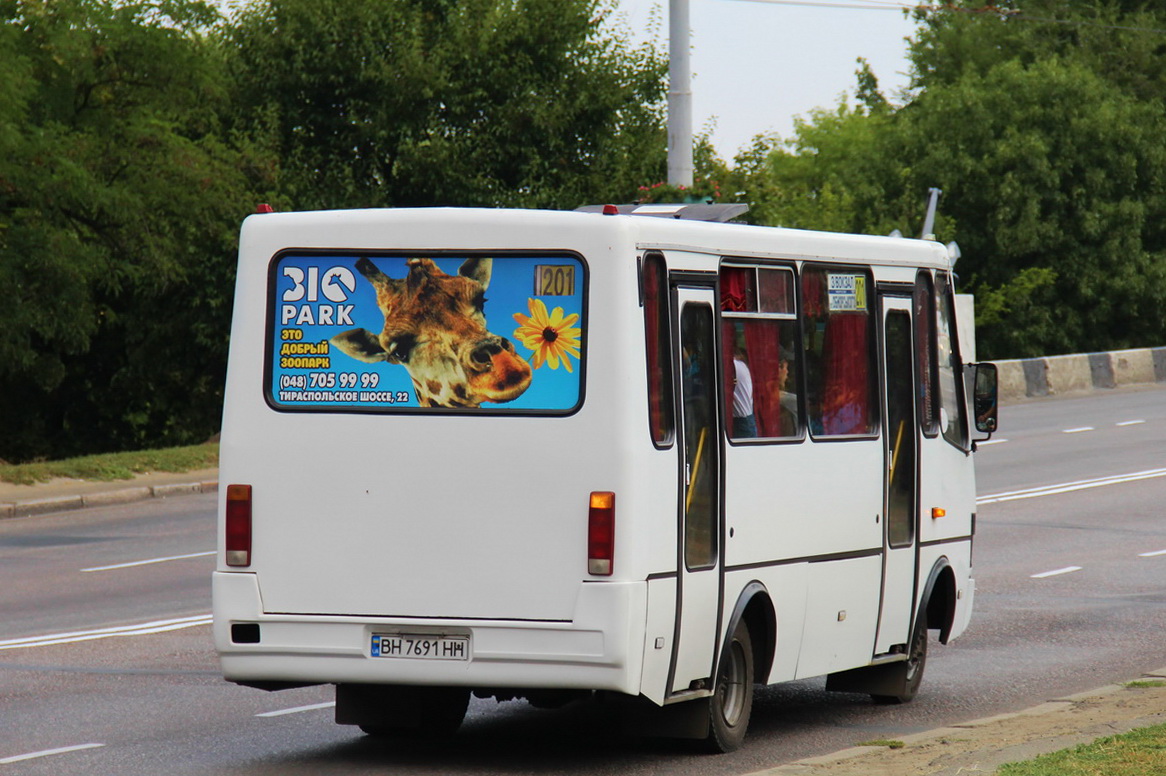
(900, 493)
(699, 546)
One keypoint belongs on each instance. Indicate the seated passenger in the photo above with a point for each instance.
(744, 424)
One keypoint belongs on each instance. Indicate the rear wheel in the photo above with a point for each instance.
(396, 711)
(732, 699)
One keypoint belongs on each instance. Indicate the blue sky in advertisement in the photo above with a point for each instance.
(318, 297)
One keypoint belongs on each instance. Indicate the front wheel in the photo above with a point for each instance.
(732, 699)
(913, 668)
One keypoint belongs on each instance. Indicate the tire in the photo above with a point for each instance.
(913, 668)
(732, 699)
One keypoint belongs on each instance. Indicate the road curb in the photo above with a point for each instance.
(818, 764)
(126, 495)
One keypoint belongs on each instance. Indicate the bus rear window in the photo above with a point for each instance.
(378, 332)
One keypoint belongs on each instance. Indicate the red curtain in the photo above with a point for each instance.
(846, 375)
(659, 376)
(814, 293)
(845, 361)
(763, 357)
(763, 343)
(737, 293)
(734, 298)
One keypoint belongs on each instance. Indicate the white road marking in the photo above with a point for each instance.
(141, 629)
(1077, 430)
(1067, 487)
(47, 752)
(991, 442)
(1055, 572)
(151, 560)
(1151, 554)
(1131, 422)
(297, 709)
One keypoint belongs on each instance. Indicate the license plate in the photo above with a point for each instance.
(418, 646)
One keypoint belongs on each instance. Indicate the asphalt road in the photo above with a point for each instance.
(1071, 595)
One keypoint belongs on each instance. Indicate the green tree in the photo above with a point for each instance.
(448, 102)
(843, 170)
(835, 174)
(119, 204)
(1119, 40)
(1046, 166)
(1042, 123)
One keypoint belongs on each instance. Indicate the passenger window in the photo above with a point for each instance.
(952, 418)
(660, 418)
(759, 338)
(926, 365)
(840, 374)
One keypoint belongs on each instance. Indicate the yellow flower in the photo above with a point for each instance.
(551, 337)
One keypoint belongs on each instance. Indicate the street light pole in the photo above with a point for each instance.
(679, 96)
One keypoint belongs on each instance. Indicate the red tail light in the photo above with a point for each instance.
(238, 525)
(601, 533)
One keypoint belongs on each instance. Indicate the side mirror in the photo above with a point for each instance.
(984, 403)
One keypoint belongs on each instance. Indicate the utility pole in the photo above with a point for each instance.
(679, 96)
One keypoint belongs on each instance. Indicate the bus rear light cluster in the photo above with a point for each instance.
(601, 533)
(238, 525)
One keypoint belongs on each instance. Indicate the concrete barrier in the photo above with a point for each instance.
(1069, 374)
(1030, 378)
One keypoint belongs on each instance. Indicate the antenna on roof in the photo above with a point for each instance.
(929, 219)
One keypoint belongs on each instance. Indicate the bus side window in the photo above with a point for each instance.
(759, 353)
(926, 363)
(952, 418)
(656, 330)
(839, 348)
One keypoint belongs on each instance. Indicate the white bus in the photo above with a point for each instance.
(635, 452)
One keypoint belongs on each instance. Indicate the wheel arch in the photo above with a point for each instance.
(755, 607)
(939, 597)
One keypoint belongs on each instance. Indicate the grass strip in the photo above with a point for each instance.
(114, 466)
(1140, 752)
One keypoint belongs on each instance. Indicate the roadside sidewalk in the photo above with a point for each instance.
(62, 495)
(981, 746)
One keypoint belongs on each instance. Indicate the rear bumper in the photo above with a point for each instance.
(599, 649)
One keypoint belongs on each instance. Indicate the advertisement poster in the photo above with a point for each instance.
(389, 332)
